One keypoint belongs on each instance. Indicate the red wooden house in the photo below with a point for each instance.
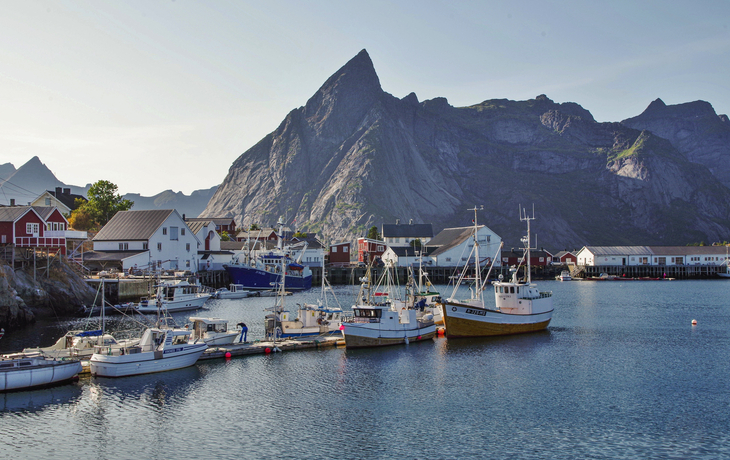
(368, 250)
(33, 227)
(340, 255)
(537, 258)
(565, 257)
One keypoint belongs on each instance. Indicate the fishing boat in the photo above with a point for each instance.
(311, 320)
(726, 274)
(382, 319)
(263, 271)
(519, 306)
(234, 291)
(422, 296)
(159, 349)
(214, 331)
(32, 372)
(175, 296)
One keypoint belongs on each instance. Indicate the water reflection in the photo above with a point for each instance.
(38, 400)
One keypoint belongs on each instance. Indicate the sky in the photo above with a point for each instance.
(167, 94)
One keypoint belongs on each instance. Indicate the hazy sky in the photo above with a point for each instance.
(156, 95)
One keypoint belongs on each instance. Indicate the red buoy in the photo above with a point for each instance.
(267, 350)
(228, 355)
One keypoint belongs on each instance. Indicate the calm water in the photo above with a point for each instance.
(620, 373)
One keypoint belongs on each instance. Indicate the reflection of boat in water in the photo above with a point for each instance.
(37, 371)
(213, 331)
(234, 291)
(39, 399)
(174, 297)
(386, 322)
(519, 306)
(159, 349)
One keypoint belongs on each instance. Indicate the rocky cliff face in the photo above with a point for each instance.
(355, 156)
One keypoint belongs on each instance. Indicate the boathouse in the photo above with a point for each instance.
(452, 246)
(368, 250)
(339, 254)
(145, 240)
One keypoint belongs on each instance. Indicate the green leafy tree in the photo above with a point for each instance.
(300, 235)
(254, 227)
(81, 220)
(225, 236)
(104, 202)
(373, 233)
(416, 244)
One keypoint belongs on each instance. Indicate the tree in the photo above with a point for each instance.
(103, 202)
(225, 236)
(416, 244)
(300, 235)
(254, 227)
(373, 233)
(81, 220)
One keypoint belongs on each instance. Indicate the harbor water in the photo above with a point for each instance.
(621, 373)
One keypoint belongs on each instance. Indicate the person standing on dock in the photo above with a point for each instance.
(244, 331)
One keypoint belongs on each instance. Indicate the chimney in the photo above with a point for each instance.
(410, 222)
(12, 201)
(183, 216)
(58, 191)
(397, 222)
(67, 191)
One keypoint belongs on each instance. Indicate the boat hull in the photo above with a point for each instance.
(145, 363)
(470, 321)
(253, 278)
(39, 376)
(174, 305)
(360, 336)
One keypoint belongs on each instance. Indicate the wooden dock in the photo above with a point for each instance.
(265, 347)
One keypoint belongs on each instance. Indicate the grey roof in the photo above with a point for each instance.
(560, 254)
(13, 213)
(109, 255)
(133, 225)
(408, 251)
(619, 250)
(44, 211)
(450, 238)
(215, 220)
(197, 224)
(407, 230)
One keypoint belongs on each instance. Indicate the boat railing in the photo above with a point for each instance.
(360, 319)
(541, 295)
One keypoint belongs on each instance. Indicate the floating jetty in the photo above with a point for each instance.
(264, 347)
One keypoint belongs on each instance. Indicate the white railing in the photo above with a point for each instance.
(73, 234)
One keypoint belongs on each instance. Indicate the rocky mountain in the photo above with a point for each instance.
(33, 178)
(355, 156)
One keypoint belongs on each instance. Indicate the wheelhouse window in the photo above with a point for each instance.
(367, 313)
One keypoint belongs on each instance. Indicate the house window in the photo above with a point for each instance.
(345, 249)
(334, 248)
(542, 259)
(48, 201)
(489, 238)
(661, 260)
(164, 230)
(32, 228)
(187, 264)
(4, 239)
(380, 248)
(448, 259)
(145, 245)
(159, 246)
(182, 231)
(173, 233)
(123, 246)
(187, 247)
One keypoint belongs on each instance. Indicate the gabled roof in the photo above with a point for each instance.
(133, 225)
(562, 254)
(46, 211)
(253, 234)
(407, 230)
(450, 238)
(13, 213)
(215, 220)
(197, 224)
(68, 199)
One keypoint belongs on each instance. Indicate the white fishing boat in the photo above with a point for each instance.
(565, 276)
(159, 349)
(214, 331)
(175, 296)
(381, 319)
(422, 296)
(33, 372)
(519, 306)
(78, 344)
(234, 291)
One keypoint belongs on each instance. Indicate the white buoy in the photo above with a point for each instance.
(694, 322)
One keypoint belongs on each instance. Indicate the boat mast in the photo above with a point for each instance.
(526, 239)
(477, 266)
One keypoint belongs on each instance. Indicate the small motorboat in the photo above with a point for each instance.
(565, 276)
(214, 331)
(234, 291)
(37, 371)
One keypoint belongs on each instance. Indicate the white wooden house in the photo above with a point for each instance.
(402, 234)
(145, 240)
(651, 255)
(453, 246)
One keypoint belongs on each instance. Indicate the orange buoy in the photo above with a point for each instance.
(694, 322)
